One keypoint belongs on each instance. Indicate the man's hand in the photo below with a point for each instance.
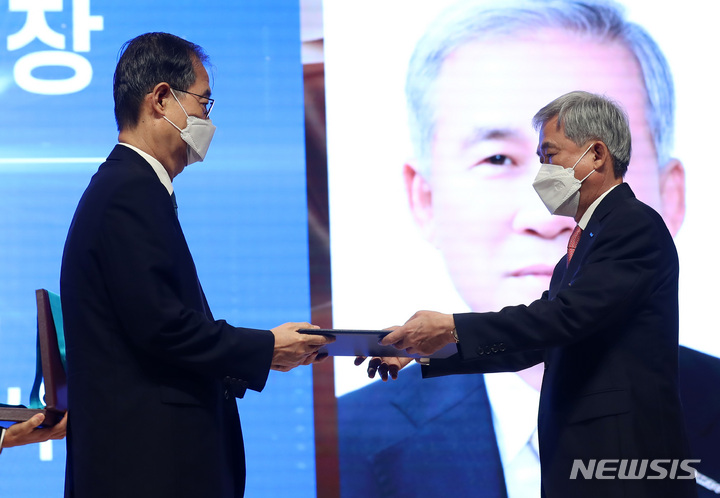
(424, 333)
(386, 365)
(293, 349)
(27, 432)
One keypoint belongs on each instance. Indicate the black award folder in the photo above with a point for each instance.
(350, 342)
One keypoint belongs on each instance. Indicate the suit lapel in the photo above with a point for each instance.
(594, 227)
(129, 157)
(452, 450)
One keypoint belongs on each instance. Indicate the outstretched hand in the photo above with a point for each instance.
(293, 348)
(423, 334)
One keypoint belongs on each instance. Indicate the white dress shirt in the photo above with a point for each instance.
(590, 210)
(514, 413)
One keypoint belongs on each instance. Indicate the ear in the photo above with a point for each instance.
(419, 194)
(672, 194)
(601, 156)
(159, 97)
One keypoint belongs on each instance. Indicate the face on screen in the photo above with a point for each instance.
(476, 204)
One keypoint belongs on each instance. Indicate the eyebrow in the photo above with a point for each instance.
(544, 147)
(483, 133)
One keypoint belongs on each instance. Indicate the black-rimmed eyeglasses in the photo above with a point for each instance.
(207, 105)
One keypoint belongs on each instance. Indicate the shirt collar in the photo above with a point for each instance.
(157, 167)
(588, 214)
(514, 411)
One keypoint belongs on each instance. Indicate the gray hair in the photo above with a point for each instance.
(585, 117)
(480, 20)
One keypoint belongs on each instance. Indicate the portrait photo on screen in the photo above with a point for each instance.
(431, 157)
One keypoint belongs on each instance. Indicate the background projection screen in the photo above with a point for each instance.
(389, 260)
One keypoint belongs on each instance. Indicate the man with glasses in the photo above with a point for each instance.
(152, 376)
(205, 101)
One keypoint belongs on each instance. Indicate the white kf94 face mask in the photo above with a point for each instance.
(197, 134)
(559, 189)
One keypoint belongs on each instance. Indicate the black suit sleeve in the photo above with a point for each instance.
(628, 259)
(488, 364)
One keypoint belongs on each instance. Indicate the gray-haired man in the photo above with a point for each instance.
(607, 328)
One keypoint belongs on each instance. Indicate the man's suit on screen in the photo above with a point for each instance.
(419, 437)
(153, 376)
(384, 427)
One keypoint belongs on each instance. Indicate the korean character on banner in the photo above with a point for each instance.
(36, 27)
(83, 24)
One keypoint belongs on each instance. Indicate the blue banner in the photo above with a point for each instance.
(243, 210)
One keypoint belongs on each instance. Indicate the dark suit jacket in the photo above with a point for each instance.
(607, 330)
(427, 437)
(152, 375)
(424, 438)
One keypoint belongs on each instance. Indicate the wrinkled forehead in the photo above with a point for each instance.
(502, 83)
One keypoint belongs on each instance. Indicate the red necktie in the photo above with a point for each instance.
(573, 242)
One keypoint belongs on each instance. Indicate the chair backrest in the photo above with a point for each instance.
(52, 362)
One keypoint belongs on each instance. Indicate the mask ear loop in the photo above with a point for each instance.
(580, 159)
(176, 126)
(186, 114)
(586, 177)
